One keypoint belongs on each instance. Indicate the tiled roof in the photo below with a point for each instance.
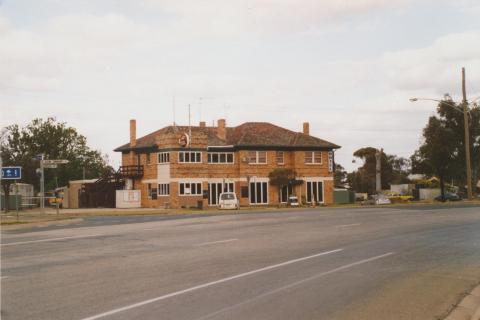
(249, 134)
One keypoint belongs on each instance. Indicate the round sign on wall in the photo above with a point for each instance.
(184, 140)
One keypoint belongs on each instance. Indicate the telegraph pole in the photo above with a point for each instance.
(1, 187)
(467, 137)
(42, 185)
(378, 170)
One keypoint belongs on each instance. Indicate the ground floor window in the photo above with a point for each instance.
(315, 191)
(164, 189)
(216, 188)
(258, 192)
(285, 192)
(187, 188)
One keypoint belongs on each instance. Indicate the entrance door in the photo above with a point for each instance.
(216, 188)
(315, 191)
(285, 192)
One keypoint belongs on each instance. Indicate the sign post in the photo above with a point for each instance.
(46, 164)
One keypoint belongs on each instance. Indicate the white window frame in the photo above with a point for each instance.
(261, 182)
(149, 190)
(283, 157)
(210, 157)
(257, 157)
(313, 153)
(198, 192)
(190, 156)
(323, 190)
(163, 157)
(163, 190)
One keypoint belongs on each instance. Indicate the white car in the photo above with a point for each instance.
(228, 200)
(293, 201)
(382, 199)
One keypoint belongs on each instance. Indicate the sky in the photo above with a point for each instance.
(346, 67)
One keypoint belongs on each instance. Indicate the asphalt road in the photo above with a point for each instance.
(369, 263)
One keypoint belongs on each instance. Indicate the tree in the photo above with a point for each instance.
(281, 177)
(437, 155)
(453, 120)
(20, 145)
(340, 175)
(394, 170)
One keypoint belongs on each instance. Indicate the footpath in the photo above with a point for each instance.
(468, 308)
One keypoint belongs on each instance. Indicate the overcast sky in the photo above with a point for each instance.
(347, 67)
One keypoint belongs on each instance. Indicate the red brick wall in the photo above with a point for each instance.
(294, 160)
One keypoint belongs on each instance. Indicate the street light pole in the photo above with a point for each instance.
(467, 138)
(463, 110)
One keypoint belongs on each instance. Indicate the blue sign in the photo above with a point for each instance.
(12, 173)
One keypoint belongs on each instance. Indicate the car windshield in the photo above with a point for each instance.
(227, 196)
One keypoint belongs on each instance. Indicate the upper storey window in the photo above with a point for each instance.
(189, 157)
(313, 157)
(257, 157)
(163, 157)
(220, 157)
(280, 156)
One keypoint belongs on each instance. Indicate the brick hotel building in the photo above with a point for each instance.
(178, 166)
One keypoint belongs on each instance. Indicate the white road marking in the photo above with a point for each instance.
(348, 225)
(347, 266)
(208, 284)
(152, 228)
(4, 277)
(51, 239)
(215, 242)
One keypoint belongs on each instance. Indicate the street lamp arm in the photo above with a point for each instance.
(440, 101)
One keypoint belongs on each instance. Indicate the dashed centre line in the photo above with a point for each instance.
(215, 242)
(348, 225)
(51, 239)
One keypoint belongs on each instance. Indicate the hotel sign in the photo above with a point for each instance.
(184, 140)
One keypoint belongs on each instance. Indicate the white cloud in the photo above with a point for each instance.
(227, 18)
(437, 67)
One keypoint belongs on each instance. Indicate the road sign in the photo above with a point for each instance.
(12, 173)
(47, 162)
(50, 166)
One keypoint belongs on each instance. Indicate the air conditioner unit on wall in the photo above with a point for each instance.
(244, 159)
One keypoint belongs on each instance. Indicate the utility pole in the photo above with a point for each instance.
(1, 187)
(42, 185)
(378, 170)
(467, 137)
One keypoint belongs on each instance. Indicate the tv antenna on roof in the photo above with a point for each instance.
(200, 105)
(173, 111)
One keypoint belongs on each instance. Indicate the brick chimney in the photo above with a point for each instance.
(306, 128)
(133, 133)
(221, 129)
(202, 124)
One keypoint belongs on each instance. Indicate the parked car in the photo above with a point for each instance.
(449, 196)
(228, 200)
(293, 201)
(381, 199)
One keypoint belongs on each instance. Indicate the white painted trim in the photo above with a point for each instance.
(315, 178)
(146, 181)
